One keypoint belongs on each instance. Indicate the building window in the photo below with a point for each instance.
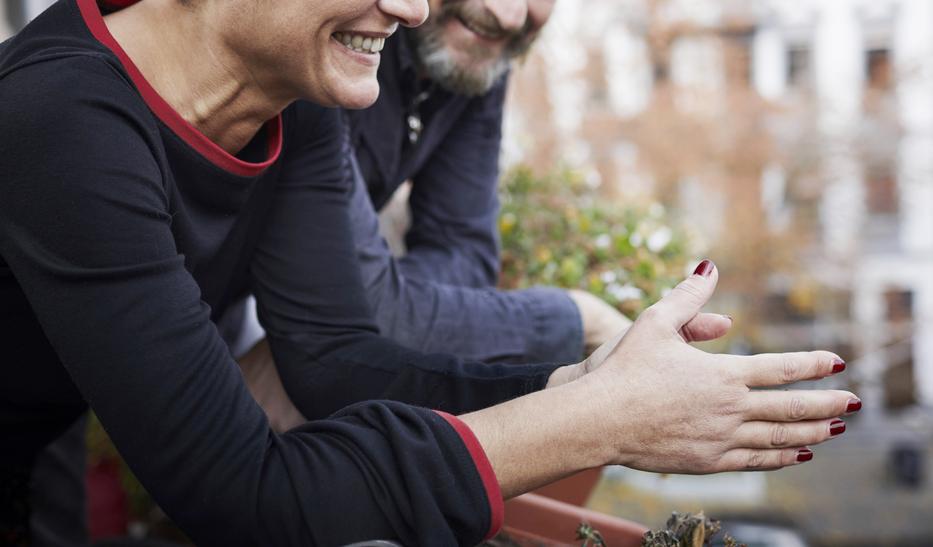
(879, 69)
(900, 306)
(738, 50)
(881, 195)
(798, 67)
(899, 381)
(788, 308)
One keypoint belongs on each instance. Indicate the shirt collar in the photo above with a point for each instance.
(405, 51)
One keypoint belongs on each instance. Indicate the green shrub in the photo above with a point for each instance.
(558, 231)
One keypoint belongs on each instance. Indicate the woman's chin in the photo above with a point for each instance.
(361, 96)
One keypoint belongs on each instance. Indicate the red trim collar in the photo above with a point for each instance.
(486, 472)
(207, 148)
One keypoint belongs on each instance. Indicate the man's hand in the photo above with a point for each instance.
(264, 383)
(601, 322)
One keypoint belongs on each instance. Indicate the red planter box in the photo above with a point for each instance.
(575, 489)
(537, 519)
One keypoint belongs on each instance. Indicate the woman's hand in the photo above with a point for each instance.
(678, 409)
(651, 401)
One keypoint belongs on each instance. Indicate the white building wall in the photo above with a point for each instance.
(629, 72)
(697, 70)
(769, 63)
(839, 78)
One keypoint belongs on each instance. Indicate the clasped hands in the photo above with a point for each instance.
(654, 402)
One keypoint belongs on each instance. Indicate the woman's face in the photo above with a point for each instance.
(326, 51)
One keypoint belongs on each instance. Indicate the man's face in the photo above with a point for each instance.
(466, 45)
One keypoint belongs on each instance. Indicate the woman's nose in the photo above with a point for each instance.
(511, 14)
(409, 13)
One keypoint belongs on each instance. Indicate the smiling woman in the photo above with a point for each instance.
(153, 186)
(164, 160)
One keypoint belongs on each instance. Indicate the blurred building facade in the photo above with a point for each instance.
(797, 137)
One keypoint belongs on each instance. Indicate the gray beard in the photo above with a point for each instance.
(441, 67)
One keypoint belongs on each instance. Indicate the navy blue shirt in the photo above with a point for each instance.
(440, 296)
(124, 232)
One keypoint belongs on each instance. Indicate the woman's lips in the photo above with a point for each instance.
(360, 43)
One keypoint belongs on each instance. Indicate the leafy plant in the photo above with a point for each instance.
(686, 530)
(556, 230)
(590, 536)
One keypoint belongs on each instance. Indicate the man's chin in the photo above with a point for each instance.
(459, 73)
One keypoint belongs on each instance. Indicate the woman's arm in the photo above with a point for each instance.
(87, 233)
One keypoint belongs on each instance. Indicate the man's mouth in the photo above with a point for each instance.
(482, 30)
(360, 43)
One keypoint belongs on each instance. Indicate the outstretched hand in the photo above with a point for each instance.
(674, 408)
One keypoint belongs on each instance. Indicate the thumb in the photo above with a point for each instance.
(683, 303)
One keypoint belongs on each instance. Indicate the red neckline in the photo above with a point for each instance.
(206, 147)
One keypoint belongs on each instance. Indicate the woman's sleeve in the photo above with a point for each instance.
(313, 306)
(85, 230)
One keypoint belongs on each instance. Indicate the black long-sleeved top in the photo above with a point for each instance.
(123, 231)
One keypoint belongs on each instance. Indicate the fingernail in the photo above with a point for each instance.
(837, 427)
(804, 455)
(704, 268)
(838, 366)
(729, 317)
(854, 406)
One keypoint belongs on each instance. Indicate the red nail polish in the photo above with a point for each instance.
(837, 427)
(804, 455)
(704, 268)
(854, 405)
(838, 366)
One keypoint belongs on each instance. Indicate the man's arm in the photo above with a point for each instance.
(312, 304)
(453, 241)
(484, 324)
(454, 201)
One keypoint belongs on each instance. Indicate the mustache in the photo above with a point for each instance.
(479, 18)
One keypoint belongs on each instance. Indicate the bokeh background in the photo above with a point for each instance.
(791, 142)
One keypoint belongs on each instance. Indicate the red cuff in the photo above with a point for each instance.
(490, 483)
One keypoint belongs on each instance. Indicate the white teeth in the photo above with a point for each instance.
(360, 43)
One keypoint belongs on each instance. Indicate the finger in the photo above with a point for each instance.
(774, 369)
(750, 459)
(602, 352)
(784, 435)
(683, 302)
(706, 326)
(797, 406)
